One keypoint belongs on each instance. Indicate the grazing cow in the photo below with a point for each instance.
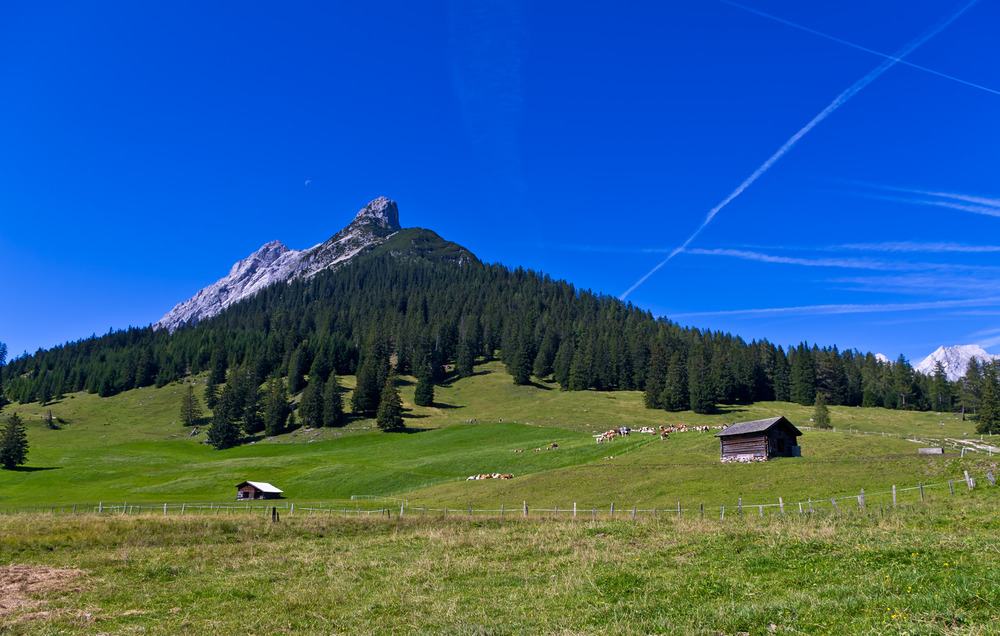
(506, 476)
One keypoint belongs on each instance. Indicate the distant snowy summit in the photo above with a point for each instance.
(955, 360)
(274, 262)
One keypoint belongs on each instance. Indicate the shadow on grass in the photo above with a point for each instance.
(726, 410)
(442, 405)
(32, 469)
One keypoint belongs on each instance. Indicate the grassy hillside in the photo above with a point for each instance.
(130, 447)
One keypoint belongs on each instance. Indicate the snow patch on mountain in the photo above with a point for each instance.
(274, 262)
(881, 357)
(954, 359)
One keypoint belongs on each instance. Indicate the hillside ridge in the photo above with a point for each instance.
(274, 262)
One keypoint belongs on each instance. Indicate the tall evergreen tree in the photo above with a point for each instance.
(13, 443)
(390, 408)
(224, 432)
(276, 409)
(989, 407)
(699, 383)
(821, 414)
(365, 399)
(333, 403)
(656, 377)
(423, 393)
(675, 387)
(803, 376)
(191, 412)
(941, 391)
(311, 407)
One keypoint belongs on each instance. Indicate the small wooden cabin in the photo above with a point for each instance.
(257, 490)
(759, 440)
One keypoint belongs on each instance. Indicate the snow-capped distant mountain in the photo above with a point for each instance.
(881, 357)
(955, 360)
(274, 262)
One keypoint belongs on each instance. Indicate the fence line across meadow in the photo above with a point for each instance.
(401, 507)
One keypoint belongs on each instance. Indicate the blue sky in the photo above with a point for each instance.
(148, 146)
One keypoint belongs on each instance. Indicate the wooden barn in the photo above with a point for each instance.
(257, 490)
(759, 440)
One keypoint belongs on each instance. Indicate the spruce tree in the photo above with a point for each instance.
(365, 399)
(311, 407)
(333, 403)
(423, 393)
(13, 443)
(675, 389)
(224, 432)
(656, 376)
(989, 406)
(276, 409)
(390, 408)
(190, 407)
(821, 414)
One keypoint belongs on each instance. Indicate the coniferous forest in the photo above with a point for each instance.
(385, 315)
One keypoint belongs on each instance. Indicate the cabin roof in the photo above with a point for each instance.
(262, 486)
(757, 426)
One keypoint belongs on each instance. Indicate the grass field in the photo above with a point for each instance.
(917, 569)
(921, 568)
(130, 447)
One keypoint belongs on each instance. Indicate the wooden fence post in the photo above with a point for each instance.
(862, 500)
(593, 514)
(739, 508)
(633, 512)
(810, 506)
(951, 487)
(574, 510)
(182, 509)
(834, 502)
(781, 504)
(470, 508)
(894, 495)
(800, 507)
(525, 508)
(501, 511)
(678, 511)
(920, 485)
(612, 510)
(401, 509)
(989, 475)
(445, 513)
(555, 511)
(164, 510)
(701, 510)
(968, 480)
(722, 515)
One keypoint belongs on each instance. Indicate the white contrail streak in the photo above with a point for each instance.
(834, 105)
(856, 46)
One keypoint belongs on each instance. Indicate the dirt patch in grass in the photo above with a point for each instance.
(23, 588)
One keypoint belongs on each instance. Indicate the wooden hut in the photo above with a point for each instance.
(759, 440)
(257, 490)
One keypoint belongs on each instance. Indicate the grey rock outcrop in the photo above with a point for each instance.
(274, 262)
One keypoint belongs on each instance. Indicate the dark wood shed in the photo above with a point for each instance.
(257, 490)
(759, 440)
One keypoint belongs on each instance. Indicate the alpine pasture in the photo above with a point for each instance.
(919, 567)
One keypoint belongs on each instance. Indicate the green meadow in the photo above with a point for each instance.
(927, 565)
(132, 448)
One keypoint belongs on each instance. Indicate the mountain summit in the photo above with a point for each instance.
(274, 262)
(955, 360)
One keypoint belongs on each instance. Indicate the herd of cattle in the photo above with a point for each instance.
(662, 431)
(622, 431)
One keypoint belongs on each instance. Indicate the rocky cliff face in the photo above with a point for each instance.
(274, 263)
(955, 360)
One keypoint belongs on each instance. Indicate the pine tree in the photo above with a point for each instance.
(390, 408)
(333, 403)
(699, 383)
(989, 406)
(311, 407)
(656, 377)
(365, 399)
(211, 393)
(423, 394)
(675, 389)
(941, 388)
(276, 409)
(13, 443)
(190, 407)
(821, 414)
(224, 432)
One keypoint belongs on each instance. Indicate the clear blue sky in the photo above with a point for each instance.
(147, 146)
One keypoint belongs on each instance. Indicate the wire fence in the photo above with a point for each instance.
(365, 506)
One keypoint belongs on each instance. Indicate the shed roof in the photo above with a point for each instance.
(756, 426)
(262, 486)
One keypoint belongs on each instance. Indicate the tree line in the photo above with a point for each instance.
(383, 315)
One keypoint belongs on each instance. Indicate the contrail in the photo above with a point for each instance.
(834, 105)
(857, 46)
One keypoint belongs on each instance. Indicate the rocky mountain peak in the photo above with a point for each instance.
(954, 359)
(381, 212)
